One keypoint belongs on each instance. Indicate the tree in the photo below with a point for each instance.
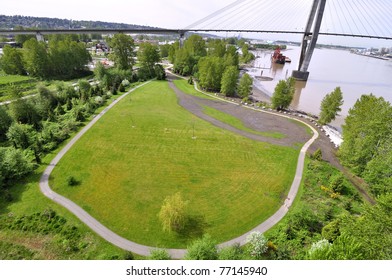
(14, 164)
(245, 86)
(122, 51)
(148, 55)
(24, 111)
(378, 170)
(22, 135)
(210, 72)
(258, 244)
(331, 106)
(5, 123)
(371, 232)
(160, 72)
(12, 61)
(229, 81)
(283, 94)
(173, 213)
(36, 59)
(202, 249)
(367, 126)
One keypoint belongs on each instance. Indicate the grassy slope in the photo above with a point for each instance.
(232, 183)
(27, 200)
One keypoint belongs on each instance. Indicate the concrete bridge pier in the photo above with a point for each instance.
(309, 40)
(182, 38)
(40, 37)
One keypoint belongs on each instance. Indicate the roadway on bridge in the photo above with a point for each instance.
(128, 245)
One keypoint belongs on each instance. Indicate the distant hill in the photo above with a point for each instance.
(9, 22)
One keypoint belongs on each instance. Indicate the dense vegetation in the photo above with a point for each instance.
(329, 221)
(59, 59)
(9, 22)
(214, 63)
(367, 146)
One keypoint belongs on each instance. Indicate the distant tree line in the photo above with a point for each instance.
(58, 59)
(215, 63)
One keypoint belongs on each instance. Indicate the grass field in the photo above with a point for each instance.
(125, 172)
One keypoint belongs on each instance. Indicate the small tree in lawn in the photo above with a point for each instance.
(173, 214)
(258, 244)
(245, 86)
(283, 94)
(331, 106)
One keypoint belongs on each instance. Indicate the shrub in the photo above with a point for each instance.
(202, 249)
(159, 254)
(71, 181)
(258, 244)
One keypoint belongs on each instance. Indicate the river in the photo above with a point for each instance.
(329, 68)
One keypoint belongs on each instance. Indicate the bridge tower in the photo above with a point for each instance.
(310, 39)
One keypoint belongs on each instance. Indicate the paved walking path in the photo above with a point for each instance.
(128, 245)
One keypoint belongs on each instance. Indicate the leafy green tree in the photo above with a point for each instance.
(159, 254)
(196, 46)
(12, 61)
(84, 88)
(367, 125)
(99, 71)
(14, 164)
(36, 59)
(283, 94)
(22, 135)
(202, 249)
(245, 86)
(22, 38)
(173, 213)
(210, 72)
(217, 48)
(331, 106)
(24, 111)
(5, 123)
(246, 55)
(258, 244)
(378, 171)
(164, 50)
(229, 81)
(231, 57)
(122, 51)
(233, 252)
(148, 56)
(45, 102)
(184, 62)
(372, 230)
(160, 72)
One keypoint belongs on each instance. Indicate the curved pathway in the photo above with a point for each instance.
(125, 244)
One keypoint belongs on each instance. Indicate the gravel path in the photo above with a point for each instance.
(191, 104)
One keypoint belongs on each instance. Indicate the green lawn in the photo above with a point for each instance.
(232, 183)
(190, 89)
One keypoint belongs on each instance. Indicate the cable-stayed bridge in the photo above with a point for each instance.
(310, 18)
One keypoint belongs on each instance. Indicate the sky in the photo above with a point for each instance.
(165, 14)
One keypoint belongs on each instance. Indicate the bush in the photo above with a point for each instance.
(71, 181)
(234, 252)
(317, 155)
(202, 249)
(336, 183)
(159, 254)
(258, 244)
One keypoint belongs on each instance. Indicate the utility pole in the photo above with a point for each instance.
(309, 40)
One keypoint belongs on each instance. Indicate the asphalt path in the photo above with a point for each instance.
(128, 245)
